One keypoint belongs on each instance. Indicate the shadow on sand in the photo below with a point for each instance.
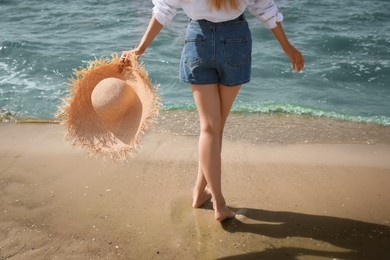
(357, 239)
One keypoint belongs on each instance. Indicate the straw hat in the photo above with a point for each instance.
(110, 107)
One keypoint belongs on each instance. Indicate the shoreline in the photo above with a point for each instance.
(263, 128)
(322, 199)
(278, 129)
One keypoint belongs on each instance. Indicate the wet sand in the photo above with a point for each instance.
(302, 188)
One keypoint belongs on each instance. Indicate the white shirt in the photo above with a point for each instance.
(264, 10)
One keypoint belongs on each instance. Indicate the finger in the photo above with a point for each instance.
(125, 54)
(297, 66)
(294, 64)
(299, 63)
(125, 61)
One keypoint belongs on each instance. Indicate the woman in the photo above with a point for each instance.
(216, 61)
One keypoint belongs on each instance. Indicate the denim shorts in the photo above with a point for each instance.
(217, 53)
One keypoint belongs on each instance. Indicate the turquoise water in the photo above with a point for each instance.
(346, 45)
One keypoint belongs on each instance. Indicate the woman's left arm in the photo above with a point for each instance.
(295, 56)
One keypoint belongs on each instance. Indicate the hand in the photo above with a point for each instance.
(295, 56)
(127, 54)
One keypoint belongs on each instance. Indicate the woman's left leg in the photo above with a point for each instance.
(214, 104)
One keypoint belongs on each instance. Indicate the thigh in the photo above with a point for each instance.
(208, 103)
(227, 96)
(214, 103)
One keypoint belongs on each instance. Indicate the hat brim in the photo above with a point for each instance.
(86, 129)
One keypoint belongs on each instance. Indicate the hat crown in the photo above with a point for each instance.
(111, 98)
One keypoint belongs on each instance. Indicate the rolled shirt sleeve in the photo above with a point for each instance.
(165, 10)
(266, 11)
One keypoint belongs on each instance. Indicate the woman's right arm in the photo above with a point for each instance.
(151, 32)
(163, 13)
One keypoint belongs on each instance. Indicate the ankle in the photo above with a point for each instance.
(219, 204)
(198, 190)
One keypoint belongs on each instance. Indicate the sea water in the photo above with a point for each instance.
(346, 46)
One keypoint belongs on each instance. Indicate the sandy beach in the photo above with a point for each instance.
(302, 188)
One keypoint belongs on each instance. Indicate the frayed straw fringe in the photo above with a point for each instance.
(77, 108)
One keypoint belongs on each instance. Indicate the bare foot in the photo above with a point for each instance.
(223, 214)
(200, 198)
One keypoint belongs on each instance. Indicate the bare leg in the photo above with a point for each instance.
(213, 103)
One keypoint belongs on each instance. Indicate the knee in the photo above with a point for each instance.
(213, 127)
